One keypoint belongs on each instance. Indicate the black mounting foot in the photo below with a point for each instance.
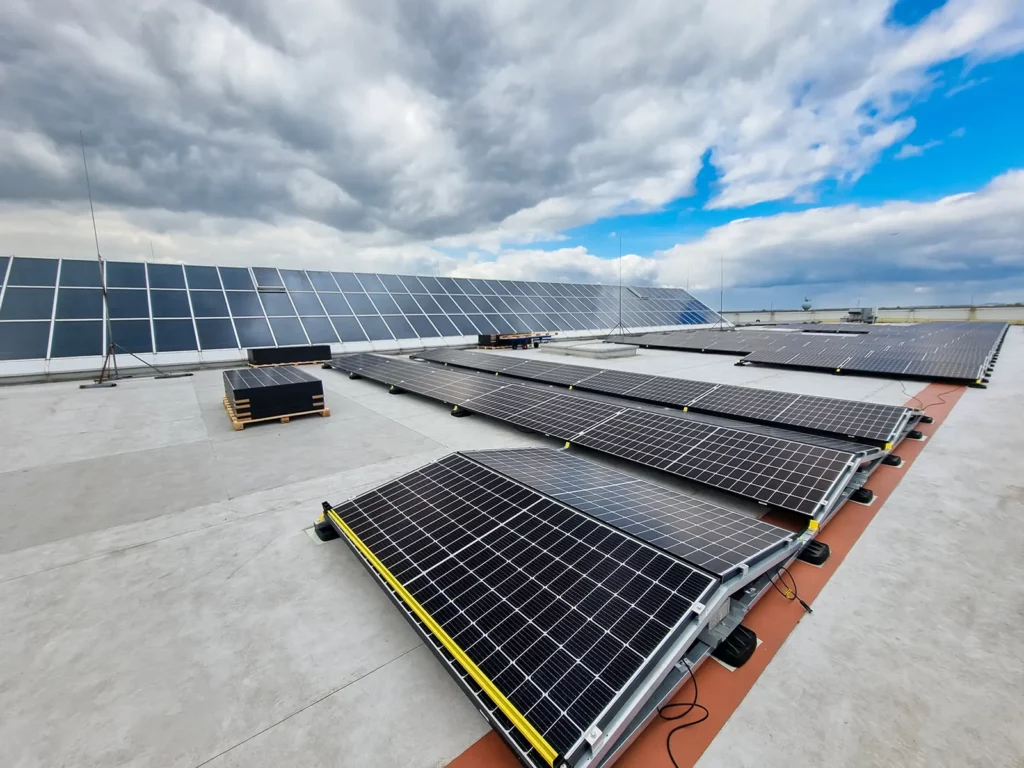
(326, 366)
(98, 385)
(737, 648)
(323, 528)
(915, 434)
(354, 375)
(927, 419)
(892, 460)
(863, 496)
(977, 385)
(815, 553)
(393, 390)
(460, 413)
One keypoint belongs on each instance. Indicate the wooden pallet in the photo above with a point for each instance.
(281, 365)
(239, 420)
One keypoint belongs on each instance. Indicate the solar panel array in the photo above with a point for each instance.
(53, 308)
(776, 467)
(557, 610)
(849, 418)
(957, 351)
(704, 534)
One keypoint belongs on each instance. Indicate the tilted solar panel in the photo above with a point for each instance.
(551, 612)
(782, 473)
(877, 423)
(704, 534)
(773, 466)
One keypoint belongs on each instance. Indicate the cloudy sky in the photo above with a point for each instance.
(840, 149)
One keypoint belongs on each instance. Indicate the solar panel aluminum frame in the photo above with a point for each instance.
(740, 601)
(616, 716)
(740, 604)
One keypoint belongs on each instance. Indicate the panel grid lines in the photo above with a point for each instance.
(386, 308)
(709, 536)
(557, 610)
(847, 418)
(769, 468)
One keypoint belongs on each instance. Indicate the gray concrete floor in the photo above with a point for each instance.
(163, 605)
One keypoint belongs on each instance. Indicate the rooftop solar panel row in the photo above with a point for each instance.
(957, 351)
(801, 473)
(54, 308)
(872, 422)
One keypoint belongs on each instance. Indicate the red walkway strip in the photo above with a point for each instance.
(773, 618)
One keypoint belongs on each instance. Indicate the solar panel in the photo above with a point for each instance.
(260, 393)
(709, 536)
(333, 306)
(782, 473)
(803, 473)
(615, 382)
(552, 612)
(937, 350)
(744, 401)
(663, 389)
(880, 424)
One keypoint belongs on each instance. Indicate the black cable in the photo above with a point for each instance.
(689, 707)
(790, 593)
(924, 407)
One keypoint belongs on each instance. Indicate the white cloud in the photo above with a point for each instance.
(967, 85)
(565, 264)
(470, 125)
(462, 137)
(975, 237)
(915, 150)
(958, 133)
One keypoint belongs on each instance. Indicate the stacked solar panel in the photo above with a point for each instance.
(262, 393)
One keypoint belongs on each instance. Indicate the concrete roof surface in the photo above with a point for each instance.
(164, 604)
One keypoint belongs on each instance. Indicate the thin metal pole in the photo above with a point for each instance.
(92, 211)
(96, 239)
(721, 292)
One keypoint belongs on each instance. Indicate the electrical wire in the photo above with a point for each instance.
(924, 407)
(690, 706)
(790, 592)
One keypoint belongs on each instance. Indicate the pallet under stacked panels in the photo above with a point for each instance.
(271, 393)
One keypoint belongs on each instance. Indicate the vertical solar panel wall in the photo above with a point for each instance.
(52, 316)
